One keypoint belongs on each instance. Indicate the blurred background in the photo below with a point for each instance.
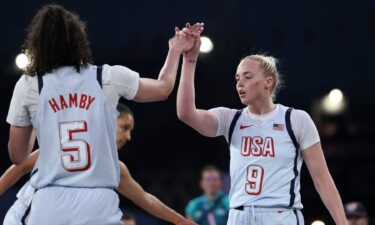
(327, 55)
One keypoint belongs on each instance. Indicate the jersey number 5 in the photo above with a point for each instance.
(254, 179)
(76, 152)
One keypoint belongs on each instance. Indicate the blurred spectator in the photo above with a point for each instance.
(356, 213)
(128, 219)
(212, 207)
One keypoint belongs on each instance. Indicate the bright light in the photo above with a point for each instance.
(22, 61)
(335, 96)
(318, 222)
(206, 45)
(334, 102)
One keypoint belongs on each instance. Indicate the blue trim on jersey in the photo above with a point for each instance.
(99, 75)
(34, 172)
(27, 212)
(40, 83)
(295, 213)
(296, 145)
(23, 220)
(233, 124)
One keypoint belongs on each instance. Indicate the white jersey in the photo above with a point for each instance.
(26, 193)
(118, 81)
(264, 162)
(76, 130)
(18, 213)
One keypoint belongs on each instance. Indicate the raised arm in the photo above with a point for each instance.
(160, 89)
(21, 142)
(132, 190)
(203, 121)
(15, 172)
(324, 183)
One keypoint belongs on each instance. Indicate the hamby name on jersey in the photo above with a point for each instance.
(257, 146)
(75, 100)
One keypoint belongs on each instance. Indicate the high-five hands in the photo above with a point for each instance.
(192, 32)
(187, 40)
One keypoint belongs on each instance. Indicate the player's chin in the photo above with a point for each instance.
(244, 100)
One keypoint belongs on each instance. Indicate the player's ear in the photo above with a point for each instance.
(268, 83)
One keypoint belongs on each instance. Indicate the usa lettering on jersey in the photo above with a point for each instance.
(257, 146)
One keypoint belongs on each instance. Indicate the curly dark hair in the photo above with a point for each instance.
(56, 37)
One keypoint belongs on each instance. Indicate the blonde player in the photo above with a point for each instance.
(268, 143)
(128, 187)
(72, 106)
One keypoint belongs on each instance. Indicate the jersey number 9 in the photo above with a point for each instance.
(254, 179)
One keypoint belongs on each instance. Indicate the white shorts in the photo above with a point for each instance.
(75, 206)
(265, 216)
(16, 213)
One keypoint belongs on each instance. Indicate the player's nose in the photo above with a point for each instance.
(240, 83)
(128, 136)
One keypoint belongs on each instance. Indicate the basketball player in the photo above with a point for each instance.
(268, 143)
(18, 213)
(72, 106)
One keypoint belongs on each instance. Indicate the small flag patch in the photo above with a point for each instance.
(277, 126)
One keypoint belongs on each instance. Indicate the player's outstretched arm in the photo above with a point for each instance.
(132, 190)
(160, 89)
(324, 183)
(21, 142)
(15, 172)
(203, 121)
